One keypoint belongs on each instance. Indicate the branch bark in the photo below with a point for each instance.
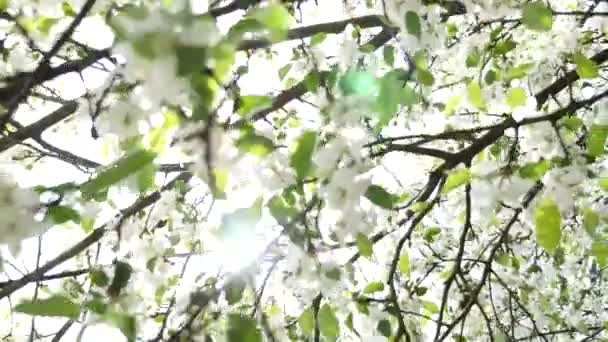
(43, 67)
(88, 241)
(367, 21)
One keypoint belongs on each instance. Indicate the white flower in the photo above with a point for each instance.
(326, 158)
(90, 210)
(160, 83)
(20, 59)
(540, 141)
(200, 33)
(224, 153)
(164, 207)
(348, 52)
(526, 111)
(484, 168)
(598, 22)
(17, 209)
(94, 32)
(345, 189)
(123, 120)
(274, 172)
(356, 137)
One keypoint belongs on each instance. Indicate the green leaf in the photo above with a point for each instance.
(450, 106)
(419, 206)
(234, 291)
(384, 328)
(388, 53)
(68, 9)
(421, 60)
(59, 214)
(490, 77)
(516, 97)
(190, 59)
(404, 263)
(99, 277)
(409, 96)
(425, 77)
(548, 224)
(360, 83)
(328, 323)
(245, 25)
(456, 178)
(349, 321)
(367, 48)
(255, 144)
(590, 221)
(87, 224)
(585, 67)
(151, 45)
(452, 29)
(56, 306)
(473, 58)
(518, 71)
(306, 322)
(537, 16)
(220, 177)
(281, 210)
(250, 103)
(44, 24)
(374, 286)
(430, 307)
(242, 328)
(599, 249)
(389, 98)
(333, 273)
(362, 306)
(275, 18)
(120, 170)
(312, 81)
(284, 70)
(122, 274)
(146, 177)
(430, 233)
(380, 197)
(420, 291)
(301, 159)
(157, 138)
(317, 38)
(475, 97)
(505, 46)
(205, 89)
(412, 23)
(603, 183)
(596, 140)
(500, 337)
(534, 170)
(573, 123)
(125, 323)
(503, 259)
(96, 306)
(365, 246)
(3, 5)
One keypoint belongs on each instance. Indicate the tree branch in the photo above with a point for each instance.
(41, 277)
(92, 238)
(367, 21)
(44, 65)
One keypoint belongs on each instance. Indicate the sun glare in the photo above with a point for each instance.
(239, 251)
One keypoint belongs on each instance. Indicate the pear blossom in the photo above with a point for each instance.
(464, 199)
